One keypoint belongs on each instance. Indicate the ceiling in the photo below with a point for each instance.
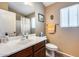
(20, 7)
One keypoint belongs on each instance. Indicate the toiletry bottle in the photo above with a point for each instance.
(41, 34)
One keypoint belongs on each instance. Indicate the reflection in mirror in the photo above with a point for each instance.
(33, 25)
(32, 22)
(25, 17)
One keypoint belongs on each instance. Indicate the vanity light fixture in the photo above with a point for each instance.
(27, 3)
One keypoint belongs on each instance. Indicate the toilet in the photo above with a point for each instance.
(50, 50)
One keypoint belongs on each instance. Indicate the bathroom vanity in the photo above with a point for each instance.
(33, 47)
(37, 50)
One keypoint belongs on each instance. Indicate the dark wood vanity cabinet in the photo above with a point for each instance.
(40, 52)
(37, 50)
(23, 53)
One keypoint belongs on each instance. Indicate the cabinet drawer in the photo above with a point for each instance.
(38, 46)
(23, 53)
(40, 53)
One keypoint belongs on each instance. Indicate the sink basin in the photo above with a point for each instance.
(15, 37)
(9, 43)
(12, 42)
(24, 41)
(18, 40)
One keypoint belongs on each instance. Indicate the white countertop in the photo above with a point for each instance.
(6, 50)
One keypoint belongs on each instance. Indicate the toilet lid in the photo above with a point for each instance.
(52, 46)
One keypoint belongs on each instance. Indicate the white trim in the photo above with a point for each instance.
(66, 55)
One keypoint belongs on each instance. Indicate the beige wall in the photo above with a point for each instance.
(4, 5)
(39, 8)
(66, 39)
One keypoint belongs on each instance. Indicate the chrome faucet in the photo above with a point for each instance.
(4, 39)
(25, 36)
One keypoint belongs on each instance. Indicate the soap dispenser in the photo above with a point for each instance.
(41, 34)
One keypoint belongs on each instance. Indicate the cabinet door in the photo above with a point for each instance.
(73, 16)
(38, 46)
(64, 17)
(24, 53)
(40, 53)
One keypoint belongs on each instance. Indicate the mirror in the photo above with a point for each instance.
(25, 17)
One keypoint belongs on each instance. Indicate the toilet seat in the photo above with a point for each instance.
(51, 47)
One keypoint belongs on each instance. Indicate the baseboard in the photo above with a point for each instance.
(62, 54)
